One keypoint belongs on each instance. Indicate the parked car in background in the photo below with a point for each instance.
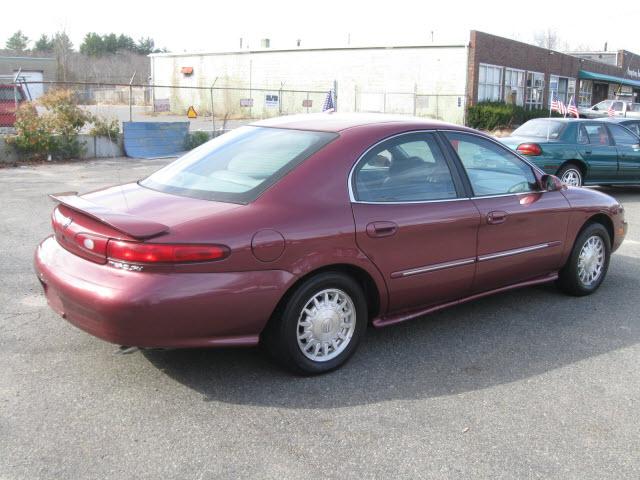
(300, 231)
(11, 96)
(620, 108)
(580, 152)
(630, 123)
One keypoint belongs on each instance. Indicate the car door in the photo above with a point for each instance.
(596, 148)
(523, 229)
(414, 221)
(628, 148)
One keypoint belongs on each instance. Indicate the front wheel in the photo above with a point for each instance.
(571, 175)
(587, 266)
(320, 325)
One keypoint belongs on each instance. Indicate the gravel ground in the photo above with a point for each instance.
(526, 384)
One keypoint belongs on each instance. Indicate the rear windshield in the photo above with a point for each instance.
(540, 128)
(238, 166)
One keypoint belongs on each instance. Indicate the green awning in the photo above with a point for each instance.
(583, 74)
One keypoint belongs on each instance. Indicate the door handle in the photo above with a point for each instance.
(381, 229)
(494, 218)
(587, 152)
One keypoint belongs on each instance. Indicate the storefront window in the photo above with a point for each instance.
(514, 86)
(534, 90)
(563, 88)
(489, 83)
(586, 92)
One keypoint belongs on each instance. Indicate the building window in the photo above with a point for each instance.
(586, 93)
(514, 86)
(563, 88)
(489, 83)
(534, 90)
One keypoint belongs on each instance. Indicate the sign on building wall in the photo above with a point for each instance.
(161, 105)
(271, 101)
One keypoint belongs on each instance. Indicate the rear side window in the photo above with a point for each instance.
(492, 170)
(597, 134)
(622, 136)
(408, 168)
(238, 166)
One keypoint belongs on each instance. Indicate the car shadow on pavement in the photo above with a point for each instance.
(493, 341)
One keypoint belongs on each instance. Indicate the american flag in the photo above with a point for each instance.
(558, 105)
(610, 111)
(329, 104)
(572, 109)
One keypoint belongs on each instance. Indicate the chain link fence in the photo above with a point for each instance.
(217, 107)
(447, 107)
(206, 108)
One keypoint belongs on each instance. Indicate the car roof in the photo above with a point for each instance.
(336, 122)
(569, 120)
(620, 119)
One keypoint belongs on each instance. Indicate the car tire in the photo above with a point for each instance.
(589, 261)
(319, 325)
(571, 174)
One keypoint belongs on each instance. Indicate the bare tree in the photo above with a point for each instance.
(548, 39)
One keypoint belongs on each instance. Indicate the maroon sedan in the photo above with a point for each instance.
(300, 231)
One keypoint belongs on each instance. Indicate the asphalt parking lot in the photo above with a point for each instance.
(526, 384)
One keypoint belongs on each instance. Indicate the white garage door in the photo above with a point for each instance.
(35, 89)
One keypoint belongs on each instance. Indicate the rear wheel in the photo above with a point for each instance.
(588, 263)
(571, 174)
(320, 325)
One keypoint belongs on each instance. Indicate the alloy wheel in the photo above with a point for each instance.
(326, 325)
(591, 260)
(572, 177)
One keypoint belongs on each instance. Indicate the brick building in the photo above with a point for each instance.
(500, 69)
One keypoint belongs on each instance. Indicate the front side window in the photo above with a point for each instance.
(11, 94)
(408, 168)
(622, 136)
(238, 166)
(634, 127)
(492, 170)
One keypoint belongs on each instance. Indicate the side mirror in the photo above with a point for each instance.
(550, 183)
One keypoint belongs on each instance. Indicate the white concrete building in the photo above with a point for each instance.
(423, 80)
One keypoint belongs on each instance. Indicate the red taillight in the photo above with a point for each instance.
(163, 253)
(531, 149)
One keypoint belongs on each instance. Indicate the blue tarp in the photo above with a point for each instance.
(154, 139)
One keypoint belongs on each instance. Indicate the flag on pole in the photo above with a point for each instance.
(558, 105)
(572, 109)
(329, 104)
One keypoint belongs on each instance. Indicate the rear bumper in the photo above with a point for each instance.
(148, 309)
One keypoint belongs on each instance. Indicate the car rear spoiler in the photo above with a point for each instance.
(131, 225)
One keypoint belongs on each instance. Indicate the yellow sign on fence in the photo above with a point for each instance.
(191, 113)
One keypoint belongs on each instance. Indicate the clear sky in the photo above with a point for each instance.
(215, 25)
